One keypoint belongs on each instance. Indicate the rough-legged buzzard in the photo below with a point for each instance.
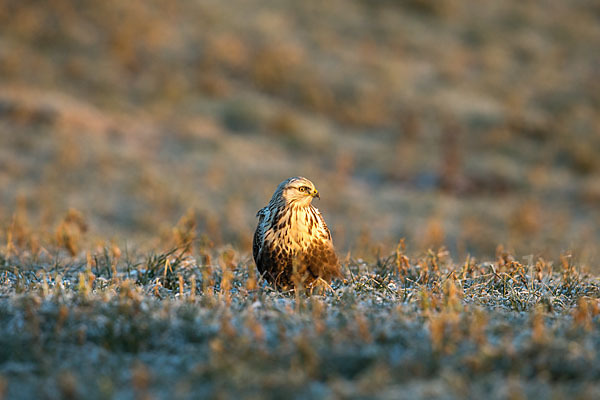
(292, 244)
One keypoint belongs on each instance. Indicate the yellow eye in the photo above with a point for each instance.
(304, 188)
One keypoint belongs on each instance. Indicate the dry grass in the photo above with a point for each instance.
(189, 324)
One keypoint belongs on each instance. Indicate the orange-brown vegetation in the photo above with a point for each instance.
(458, 123)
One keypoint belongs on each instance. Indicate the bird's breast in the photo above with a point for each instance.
(295, 229)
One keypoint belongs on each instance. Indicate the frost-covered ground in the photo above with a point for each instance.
(176, 325)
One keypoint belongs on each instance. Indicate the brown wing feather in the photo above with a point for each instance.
(277, 265)
(258, 241)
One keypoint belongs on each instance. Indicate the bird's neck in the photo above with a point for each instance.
(299, 221)
(296, 208)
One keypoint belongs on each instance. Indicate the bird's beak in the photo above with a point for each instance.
(315, 193)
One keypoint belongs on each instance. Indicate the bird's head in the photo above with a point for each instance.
(297, 190)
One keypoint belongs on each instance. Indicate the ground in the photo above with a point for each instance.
(178, 325)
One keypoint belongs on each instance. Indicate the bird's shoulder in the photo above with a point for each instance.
(258, 240)
(263, 212)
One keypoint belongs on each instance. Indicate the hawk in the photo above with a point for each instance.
(292, 245)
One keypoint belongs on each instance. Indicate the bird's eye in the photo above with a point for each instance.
(303, 188)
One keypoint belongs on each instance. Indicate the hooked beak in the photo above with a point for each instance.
(315, 193)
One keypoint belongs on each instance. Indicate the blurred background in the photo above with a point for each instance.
(463, 124)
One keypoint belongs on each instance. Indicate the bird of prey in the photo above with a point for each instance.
(292, 245)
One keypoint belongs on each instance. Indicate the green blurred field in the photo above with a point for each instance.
(470, 129)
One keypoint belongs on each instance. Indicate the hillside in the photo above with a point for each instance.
(448, 123)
